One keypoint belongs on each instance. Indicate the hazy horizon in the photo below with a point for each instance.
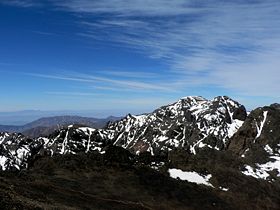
(22, 117)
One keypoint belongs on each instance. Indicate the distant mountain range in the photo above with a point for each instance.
(26, 116)
(45, 126)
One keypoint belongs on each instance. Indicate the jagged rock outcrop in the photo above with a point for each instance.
(258, 143)
(262, 127)
(16, 149)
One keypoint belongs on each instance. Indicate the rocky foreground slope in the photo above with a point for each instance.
(233, 157)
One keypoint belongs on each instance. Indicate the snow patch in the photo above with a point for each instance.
(261, 172)
(257, 173)
(259, 128)
(223, 189)
(268, 149)
(244, 153)
(87, 129)
(190, 176)
(234, 126)
(141, 119)
(64, 143)
(156, 166)
(162, 138)
(3, 162)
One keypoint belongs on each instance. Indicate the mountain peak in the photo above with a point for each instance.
(196, 98)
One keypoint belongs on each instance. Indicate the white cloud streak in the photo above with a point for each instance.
(230, 44)
(207, 42)
(21, 3)
(60, 93)
(130, 74)
(107, 82)
(129, 8)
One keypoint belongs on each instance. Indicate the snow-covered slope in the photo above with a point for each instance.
(75, 139)
(15, 150)
(191, 122)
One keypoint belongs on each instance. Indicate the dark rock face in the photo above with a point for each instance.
(258, 143)
(240, 113)
(275, 106)
(262, 127)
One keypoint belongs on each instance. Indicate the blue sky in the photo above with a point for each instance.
(117, 56)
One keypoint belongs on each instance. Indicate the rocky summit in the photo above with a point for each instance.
(194, 153)
(191, 123)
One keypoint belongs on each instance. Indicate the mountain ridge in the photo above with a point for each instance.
(193, 124)
(194, 153)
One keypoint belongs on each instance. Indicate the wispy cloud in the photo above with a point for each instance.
(228, 44)
(21, 3)
(130, 74)
(210, 42)
(44, 33)
(130, 8)
(107, 82)
(61, 93)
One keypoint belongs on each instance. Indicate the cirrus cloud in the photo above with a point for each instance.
(228, 44)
